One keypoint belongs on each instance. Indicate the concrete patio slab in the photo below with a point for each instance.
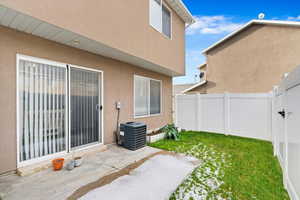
(155, 179)
(48, 185)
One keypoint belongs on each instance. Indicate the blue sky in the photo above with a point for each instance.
(215, 19)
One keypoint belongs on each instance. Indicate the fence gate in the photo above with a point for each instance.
(287, 130)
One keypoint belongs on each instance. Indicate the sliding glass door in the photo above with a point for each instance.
(42, 109)
(84, 106)
(58, 106)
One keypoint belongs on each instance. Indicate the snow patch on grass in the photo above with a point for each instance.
(206, 181)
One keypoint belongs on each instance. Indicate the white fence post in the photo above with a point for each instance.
(270, 100)
(226, 113)
(198, 111)
(285, 170)
(176, 110)
(273, 131)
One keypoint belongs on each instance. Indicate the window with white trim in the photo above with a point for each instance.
(160, 17)
(147, 96)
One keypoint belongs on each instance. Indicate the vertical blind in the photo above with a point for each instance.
(147, 96)
(42, 113)
(84, 99)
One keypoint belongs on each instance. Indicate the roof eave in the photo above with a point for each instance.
(182, 11)
(227, 37)
(263, 22)
(66, 37)
(194, 86)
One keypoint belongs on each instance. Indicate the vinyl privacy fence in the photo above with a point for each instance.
(286, 130)
(246, 115)
(271, 116)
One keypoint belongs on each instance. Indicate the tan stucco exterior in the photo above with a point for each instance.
(118, 86)
(122, 25)
(253, 60)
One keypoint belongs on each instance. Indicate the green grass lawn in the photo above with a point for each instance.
(231, 168)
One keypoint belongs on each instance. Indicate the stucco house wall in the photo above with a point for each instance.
(114, 36)
(252, 61)
(122, 25)
(118, 86)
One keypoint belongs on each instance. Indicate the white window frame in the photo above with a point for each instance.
(49, 156)
(100, 114)
(161, 99)
(162, 3)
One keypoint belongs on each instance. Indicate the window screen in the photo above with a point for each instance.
(166, 21)
(147, 96)
(154, 97)
(141, 98)
(155, 14)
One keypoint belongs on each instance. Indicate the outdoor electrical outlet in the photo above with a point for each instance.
(118, 105)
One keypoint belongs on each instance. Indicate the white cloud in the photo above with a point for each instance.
(294, 18)
(212, 25)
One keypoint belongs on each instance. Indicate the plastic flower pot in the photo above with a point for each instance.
(58, 164)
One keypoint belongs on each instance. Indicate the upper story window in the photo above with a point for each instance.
(160, 17)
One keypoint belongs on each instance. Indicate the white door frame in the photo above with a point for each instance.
(42, 61)
(100, 114)
(67, 102)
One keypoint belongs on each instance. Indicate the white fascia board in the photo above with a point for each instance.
(179, 7)
(227, 37)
